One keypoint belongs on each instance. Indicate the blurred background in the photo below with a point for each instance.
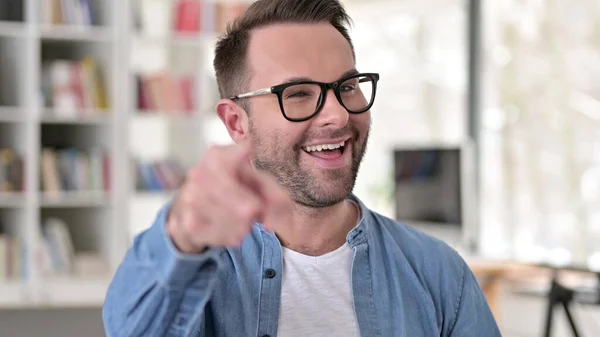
(486, 134)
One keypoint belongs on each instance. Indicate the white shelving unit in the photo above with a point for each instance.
(95, 220)
(156, 134)
(101, 223)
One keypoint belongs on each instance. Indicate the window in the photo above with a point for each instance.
(541, 129)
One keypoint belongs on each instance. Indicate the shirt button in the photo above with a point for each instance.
(270, 273)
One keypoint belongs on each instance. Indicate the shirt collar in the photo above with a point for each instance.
(358, 234)
(361, 232)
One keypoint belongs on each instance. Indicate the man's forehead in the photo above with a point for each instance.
(312, 51)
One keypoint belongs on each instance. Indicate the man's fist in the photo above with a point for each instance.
(222, 197)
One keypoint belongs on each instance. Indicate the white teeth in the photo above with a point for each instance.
(317, 148)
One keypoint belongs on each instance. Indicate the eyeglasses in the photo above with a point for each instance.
(301, 100)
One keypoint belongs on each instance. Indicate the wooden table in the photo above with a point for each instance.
(490, 274)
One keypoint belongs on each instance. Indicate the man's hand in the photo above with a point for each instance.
(221, 199)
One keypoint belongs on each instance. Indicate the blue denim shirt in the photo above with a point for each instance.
(404, 283)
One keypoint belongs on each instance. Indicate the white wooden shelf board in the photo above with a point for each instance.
(12, 200)
(56, 293)
(166, 116)
(76, 33)
(90, 117)
(191, 40)
(12, 114)
(13, 294)
(12, 29)
(74, 199)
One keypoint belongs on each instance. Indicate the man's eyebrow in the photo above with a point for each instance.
(349, 73)
(308, 79)
(297, 79)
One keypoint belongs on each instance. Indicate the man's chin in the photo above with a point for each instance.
(320, 201)
(324, 192)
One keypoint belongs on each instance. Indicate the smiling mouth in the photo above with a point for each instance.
(326, 151)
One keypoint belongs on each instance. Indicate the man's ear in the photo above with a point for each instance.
(234, 118)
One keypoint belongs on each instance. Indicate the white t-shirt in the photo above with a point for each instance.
(316, 295)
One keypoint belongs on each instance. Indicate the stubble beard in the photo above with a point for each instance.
(306, 187)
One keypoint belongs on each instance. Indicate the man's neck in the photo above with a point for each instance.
(318, 231)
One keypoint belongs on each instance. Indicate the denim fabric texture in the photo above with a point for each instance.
(404, 284)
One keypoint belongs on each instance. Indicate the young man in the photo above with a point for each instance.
(265, 237)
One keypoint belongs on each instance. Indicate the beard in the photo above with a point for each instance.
(308, 186)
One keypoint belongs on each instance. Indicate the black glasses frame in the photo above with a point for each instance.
(335, 86)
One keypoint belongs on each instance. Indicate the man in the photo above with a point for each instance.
(265, 237)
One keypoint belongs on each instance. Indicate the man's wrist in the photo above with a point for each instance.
(180, 240)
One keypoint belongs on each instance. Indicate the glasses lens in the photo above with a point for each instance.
(300, 100)
(357, 93)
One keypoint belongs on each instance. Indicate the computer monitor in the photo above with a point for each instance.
(433, 192)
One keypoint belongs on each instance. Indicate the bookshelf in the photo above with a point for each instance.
(170, 48)
(90, 93)
(61, 234)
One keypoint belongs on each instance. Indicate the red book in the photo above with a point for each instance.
(77, 86)
(187, 18)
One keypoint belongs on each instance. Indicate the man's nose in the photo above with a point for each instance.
(332, 113)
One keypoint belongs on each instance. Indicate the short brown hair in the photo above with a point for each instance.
(232, 47)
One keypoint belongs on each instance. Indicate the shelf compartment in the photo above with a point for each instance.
(76, 77)
(12, 11)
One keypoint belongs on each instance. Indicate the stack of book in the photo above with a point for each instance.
(164, 17)
(57, 255)
(74, 88)
(165, 92)
(70, 169)
(164, 175)
(69, 12)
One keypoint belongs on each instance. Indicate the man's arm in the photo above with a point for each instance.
(473, 315)
(158, 291)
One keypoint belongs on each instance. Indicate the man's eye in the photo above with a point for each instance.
(347, 88)
(298, 94)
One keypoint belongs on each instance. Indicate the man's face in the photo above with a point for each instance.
(319, 52)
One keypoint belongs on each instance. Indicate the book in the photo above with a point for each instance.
(67, 12)
(71, 169)
(74, 88)
(156, 176)
(12, 262)
(11, 171)
(187, 16)
(165, 92)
